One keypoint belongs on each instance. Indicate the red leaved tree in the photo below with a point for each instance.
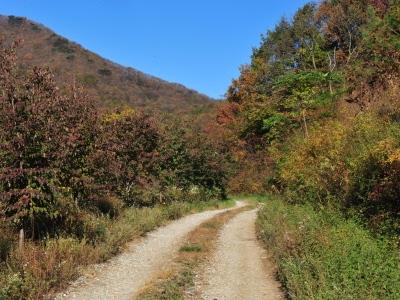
(45, 136)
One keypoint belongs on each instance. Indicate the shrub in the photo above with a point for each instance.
(312, 169)
(35, 27)
(355, 167)
(321, 255)
(375, 190)
(188, 159)
(62, 45)
(6, 241)
(104, 72)
(45, 138)
(125, 157)
(89, 80)
(16, 21)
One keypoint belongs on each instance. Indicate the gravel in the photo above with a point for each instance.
(123, 276)
(240, 267)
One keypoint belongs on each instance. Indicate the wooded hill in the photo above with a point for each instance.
(109, 83)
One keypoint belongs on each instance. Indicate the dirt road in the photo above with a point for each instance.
(237, 270)
(127, 273)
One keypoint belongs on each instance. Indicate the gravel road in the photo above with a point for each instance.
(126, 274)
(238, 270)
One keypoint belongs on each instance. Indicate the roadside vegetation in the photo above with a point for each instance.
(46, 266)
(321, 254)
(77, 182)
(314, 120)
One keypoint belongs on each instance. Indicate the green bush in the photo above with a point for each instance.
(6, 241)
(312, 169)
(62, 45)
(12, 285)
(355, 167)
(35, 27)
(321, 255)
(104, 72)
(16, 21)
(88, 80)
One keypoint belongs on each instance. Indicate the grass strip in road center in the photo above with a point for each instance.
(178, 282)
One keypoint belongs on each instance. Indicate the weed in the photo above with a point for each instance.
(47, 265)
(321, 255)
(209, 225)
(191, 248)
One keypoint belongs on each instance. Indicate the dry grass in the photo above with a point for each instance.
(45, 267)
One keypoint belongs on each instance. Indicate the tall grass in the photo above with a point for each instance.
(41, 268)
(321, 255)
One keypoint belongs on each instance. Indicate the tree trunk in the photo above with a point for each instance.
(21, 240)
(313, 60)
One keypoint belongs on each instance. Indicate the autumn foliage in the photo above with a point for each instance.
(61, 159)
(317, 110)
(109, 84)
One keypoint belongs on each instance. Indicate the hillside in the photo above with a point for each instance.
(315, 120)
(111, 84)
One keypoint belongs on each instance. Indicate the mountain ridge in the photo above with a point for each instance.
(110, 83)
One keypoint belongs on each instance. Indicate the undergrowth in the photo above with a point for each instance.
(322, 255)
(44, 267)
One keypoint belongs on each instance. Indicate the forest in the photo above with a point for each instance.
(311, 125)
(316, 112)
(319, 101)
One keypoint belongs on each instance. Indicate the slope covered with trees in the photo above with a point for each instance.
(320, 99)
(317, 112)
(108, 83)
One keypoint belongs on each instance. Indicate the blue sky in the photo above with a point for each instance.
(198, 43)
